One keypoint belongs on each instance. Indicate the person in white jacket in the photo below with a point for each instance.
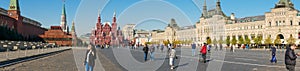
(172, 56)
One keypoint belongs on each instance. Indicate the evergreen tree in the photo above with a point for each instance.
(291, 40)
(241, 40)
(247, 40)
(228, 40)
(233, 41)
(208, 41)
(268, 40)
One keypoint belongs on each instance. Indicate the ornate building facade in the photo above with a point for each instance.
(282, 21)
(127, 31)
(174, 32)
(106, 33)
(212, 23)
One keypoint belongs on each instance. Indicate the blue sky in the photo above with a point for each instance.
(149, 14)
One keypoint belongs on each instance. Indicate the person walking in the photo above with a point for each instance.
(145, 49)
(193, 49)
(89, 60)
(169, 47)
(233, 48)
(221, 46)
(290, 58)
(273, 50)
(216, 47)
(203, 52)
(172, 57)
(161, 47)
(152, 49)
(208, 47)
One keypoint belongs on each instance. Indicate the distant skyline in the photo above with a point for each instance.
(150, 14)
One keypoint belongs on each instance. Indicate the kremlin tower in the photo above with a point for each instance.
(60, 34)
(63, 22)
(74, 36)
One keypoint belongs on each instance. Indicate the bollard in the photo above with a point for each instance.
(7, 53)
(19, 54)
(42, 50)
(38, 50)
(25, 52)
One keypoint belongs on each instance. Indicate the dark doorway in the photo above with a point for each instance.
(281, 36)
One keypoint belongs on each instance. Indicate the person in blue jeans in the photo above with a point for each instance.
(145, 49)
(152, 49)
(273, 50)
(90, 57)
(193, 49)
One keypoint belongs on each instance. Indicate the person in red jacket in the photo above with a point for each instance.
(203, 51)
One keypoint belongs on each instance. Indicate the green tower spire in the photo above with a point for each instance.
(63, 22)
(284, 3)
(14, 5)
(63, 10)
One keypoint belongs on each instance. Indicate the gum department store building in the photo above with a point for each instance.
(282, 21)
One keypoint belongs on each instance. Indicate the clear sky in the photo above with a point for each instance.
(149, 14)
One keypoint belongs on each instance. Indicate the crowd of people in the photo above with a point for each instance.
(289, 59)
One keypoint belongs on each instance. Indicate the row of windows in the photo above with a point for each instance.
(247, 27)
(278, 23)
(253, 36)
(280, 13)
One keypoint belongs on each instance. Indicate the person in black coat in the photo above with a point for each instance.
(145, 49)
(290, 58)
(89, 60)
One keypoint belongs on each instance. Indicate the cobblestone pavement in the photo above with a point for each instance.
(240, 60)
(59, 62)
(23, 53)
(109, 60)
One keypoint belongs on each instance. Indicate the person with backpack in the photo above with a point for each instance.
(203, 52)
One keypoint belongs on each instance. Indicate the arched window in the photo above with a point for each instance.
(291, 22)
(299, 35)
(270, 24)
(279, 23)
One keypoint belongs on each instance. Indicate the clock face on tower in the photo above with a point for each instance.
(12, 7)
